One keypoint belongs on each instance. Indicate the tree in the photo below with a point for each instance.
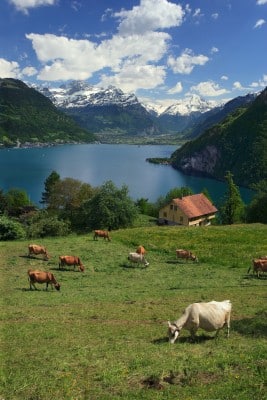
(110, 208)
(175, 193)
(257, 209)
(232, 210)
(16, 199)
(52, 179)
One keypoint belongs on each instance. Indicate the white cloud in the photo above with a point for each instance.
(261, 2)
(215, 16)
(29, 71)
(9, 69)
(224, 78)
(24, 5)
(134, 76)
(214, 50)
(186, 62)
(125, 56)
(259, 23)
(261, 83)
(150, 15)
(237, 85)
(178, 88)
(209, 89)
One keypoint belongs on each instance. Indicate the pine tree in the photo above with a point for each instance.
(53, 178)
(232, 210)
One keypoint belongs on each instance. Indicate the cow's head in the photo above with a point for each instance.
(82, 268)
(57, 286)
(173, 332)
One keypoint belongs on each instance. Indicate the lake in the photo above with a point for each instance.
(97, 163)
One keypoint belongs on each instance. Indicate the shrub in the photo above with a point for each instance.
(11, 229)
(45, 225)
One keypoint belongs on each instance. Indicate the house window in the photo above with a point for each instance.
(165, 214)
(171, 207)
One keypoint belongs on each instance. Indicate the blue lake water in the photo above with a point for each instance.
(97, 163)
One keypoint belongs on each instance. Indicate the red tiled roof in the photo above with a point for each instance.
(195, 205)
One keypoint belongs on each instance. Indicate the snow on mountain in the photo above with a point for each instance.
(189, 105)
(80, 94)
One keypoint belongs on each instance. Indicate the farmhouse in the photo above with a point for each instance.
(189, 210)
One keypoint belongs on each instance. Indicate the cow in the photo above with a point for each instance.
(259, 265)
(103, 234)
(138, 259)
(37, 249)
(186, 254)
(211, 316)
(141, 250)
(35, 276)
(71, 260)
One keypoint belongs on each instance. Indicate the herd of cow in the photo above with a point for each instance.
(210, 316)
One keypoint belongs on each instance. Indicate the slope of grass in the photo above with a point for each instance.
(103, 336)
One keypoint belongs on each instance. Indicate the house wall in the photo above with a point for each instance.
(173, 214)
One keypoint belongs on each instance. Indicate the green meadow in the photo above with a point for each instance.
(104, 334)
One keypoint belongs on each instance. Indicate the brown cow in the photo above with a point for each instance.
(71, 260)
(186, 254)
(141, 250)
(259, 265)
(36, 249)
(36, 276)
(103, 234)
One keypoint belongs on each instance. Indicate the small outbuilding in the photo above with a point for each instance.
(196, 210)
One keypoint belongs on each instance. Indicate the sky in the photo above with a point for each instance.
(161, 50)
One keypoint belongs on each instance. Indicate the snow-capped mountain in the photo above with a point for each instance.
(81, 94)
(189, 105)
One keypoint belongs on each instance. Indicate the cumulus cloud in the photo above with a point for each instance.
(261, 2)
(261, 83)
(150, 15)
(214, 50)
(224, 78)
(237, 85)
(24, 5)
(9, 69)
(209, 89)
(178, 88)
(186, 62)
(259, 23)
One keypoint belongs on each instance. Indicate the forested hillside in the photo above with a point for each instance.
(238, 144)
(28, 116)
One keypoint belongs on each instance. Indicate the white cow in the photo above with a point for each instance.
(210, 316)
(138, 259)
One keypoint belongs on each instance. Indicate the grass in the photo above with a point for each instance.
(103, 336)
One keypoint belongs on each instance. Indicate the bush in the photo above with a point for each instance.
(11, 229)
(42, 226)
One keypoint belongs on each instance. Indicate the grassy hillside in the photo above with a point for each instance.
(28, 116)
(103, 336)
(238, 145)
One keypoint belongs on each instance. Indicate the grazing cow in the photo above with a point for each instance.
(141, 250)
(186, 254)
(210, 316)
(36, 276)
(103, 234)
(138, 259)
(71, 260)
(259, 265)
(36, 249)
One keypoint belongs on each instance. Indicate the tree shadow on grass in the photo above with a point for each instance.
(255, 326)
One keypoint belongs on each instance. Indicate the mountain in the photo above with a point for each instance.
(181, 116)
(238, 144)
(217, 114)
(28, 116)
(102, 110)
